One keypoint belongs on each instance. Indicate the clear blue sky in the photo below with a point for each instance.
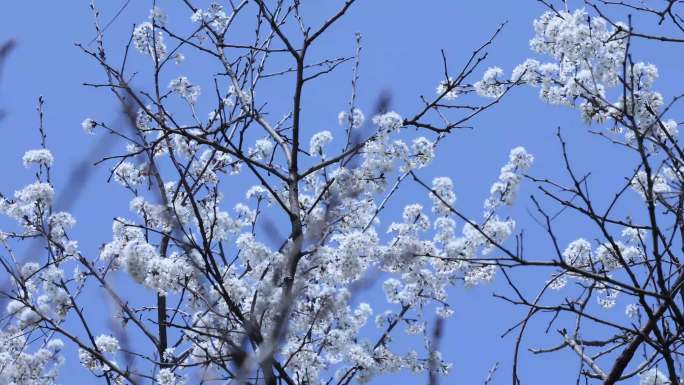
(401, 54)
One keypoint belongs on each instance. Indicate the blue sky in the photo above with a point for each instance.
(401, 55)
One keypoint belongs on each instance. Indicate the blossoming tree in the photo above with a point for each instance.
(260, 284)
(263, 291)
(629, 247)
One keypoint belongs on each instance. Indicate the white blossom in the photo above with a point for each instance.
(22, 367)
(149, 41)
(178, 57)
(128, 174)
(88, 125)
(355, 119)
(42, 157)
(443, 196)
(423, 152)
(158, 17)
(182, 86)
(491, 84)
(107, 344)
(60, 223)
(659, 184)
(632, 310)
(558, 282)
(447, 87)
(319, 141)
(505, 189)
(578, 254)
(29, 268)
(29, 205)
(214, 16)
(262, 149)
(389, 121)
(136, 256)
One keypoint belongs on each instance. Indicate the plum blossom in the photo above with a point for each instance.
(491, 85)
(149, 41)
(262, 149)
(21, 367)
(107, 343)
(632, 310)
(214, 16)
(319, 141)
(447, 87)
(355, 119)
(42, 157)
(388, 122)
(443, 196)
(128, 174)
(182, 86)
(506, 188)
(88, 125)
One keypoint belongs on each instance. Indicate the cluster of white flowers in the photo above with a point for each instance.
(101, 364)
(263, 149)
(149, 41)
(606, 296)
(156, 216)
(158, 16)
(102, 361)
(318, 142)
(423, 152)
(578, 254)
(41, 157)
(29, 206)
(479, 275)
(167, 274)
(141, 260)
(389, 121)
(168, 377)
(632, 310)
(244, 97)
(127, 174)
(88, 125)
(214, 16)
(59, 223)
(145, 266)
(605, 259)
(355, 119)
(143, 121)
(506, 188)
(443, 196)
(660, 183)
(182, 86)
(55, 300)
(492, 84)
(402, 255)
(107, 344)
(448, 88)
(589, 54)
(19, 367)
